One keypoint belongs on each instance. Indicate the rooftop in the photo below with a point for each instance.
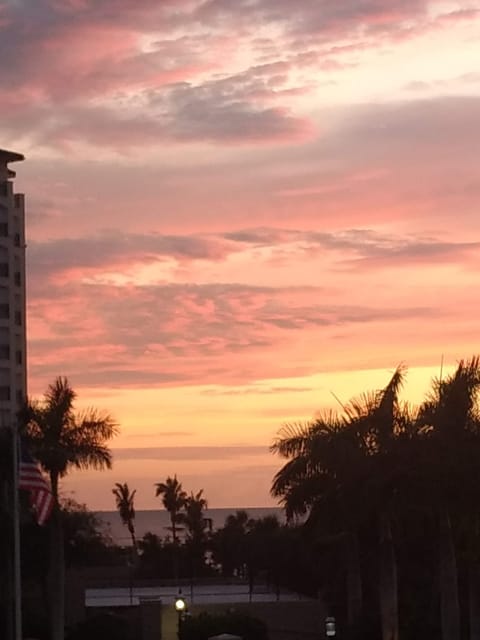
(10, 156)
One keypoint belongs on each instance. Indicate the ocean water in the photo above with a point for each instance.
(157, 522)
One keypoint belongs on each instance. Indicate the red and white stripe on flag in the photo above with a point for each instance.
(31, 479)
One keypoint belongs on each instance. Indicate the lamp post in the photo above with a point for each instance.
(181, 609)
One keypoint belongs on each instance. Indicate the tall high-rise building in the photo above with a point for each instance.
(13, 351)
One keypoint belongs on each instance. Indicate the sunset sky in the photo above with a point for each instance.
(236, 208)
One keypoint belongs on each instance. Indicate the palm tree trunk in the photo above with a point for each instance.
(6, 559)
(388, 581)
(449, 601)
(173, 520)
(133, 562)
(131, 529)
(176, 569)
(57, 577)
(8, 595)
(57, 567)
(474, 600)
(354, 581)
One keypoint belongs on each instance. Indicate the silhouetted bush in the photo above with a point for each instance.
(101, 627)
(35, 626)
(205, 625)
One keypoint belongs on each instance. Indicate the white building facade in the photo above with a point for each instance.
(13, 351)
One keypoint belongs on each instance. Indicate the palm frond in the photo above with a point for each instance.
(124, 500)
(94, 421)
(59, 397)
(88, 455)
(291, 439)
(451, 407)
(361, 406)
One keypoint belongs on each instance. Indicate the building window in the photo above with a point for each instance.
(4, 269)
(17, 278)
(20, 397)
(4, 311)
(4, 189)
(4, 393)
(4, 352)
(18, 356)
(18, 318)
(4, 229)
(16, 239)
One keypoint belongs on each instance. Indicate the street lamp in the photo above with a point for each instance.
(181, 609)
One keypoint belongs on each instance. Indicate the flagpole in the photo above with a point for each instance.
(17, 575)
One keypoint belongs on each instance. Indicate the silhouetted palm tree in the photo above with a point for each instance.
(193, 518)
(323, 480)
(126, 508)
(229, 544)
(451, 417)
(173, 499)
(381, 421)
(197, 530)
(62, 439)
(334, 463)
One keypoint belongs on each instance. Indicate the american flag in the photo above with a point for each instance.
(31, 479)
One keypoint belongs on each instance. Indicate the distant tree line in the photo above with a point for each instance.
(244, 549)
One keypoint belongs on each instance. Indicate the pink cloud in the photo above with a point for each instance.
(195, 330)
(63, 260)
(182, 113)
(158, 80)
(308, 17)
(184, 91)
(459, 15)
(230, 193)
(362, 173)
(66, 66)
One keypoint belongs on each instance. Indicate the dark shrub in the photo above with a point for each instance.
(205, 625)
(35, 626)
(101, 627)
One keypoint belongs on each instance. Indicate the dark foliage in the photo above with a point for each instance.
(103, 626)
(406, 485)
(206, 625)
(86, 542)
(35, 624)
